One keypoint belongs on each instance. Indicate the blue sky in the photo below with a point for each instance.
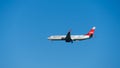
(26, 24)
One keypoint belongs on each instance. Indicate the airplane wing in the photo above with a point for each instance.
(68, 37)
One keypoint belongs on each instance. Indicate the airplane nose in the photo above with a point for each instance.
(49, 37)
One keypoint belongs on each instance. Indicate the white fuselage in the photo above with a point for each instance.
(73, 37)
(70, 38)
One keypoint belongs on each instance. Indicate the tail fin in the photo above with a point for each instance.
(91, 32)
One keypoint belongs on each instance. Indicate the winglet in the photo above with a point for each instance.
(70, 30)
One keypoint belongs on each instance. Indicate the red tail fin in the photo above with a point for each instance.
(91, 32)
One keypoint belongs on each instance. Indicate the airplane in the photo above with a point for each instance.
(70, 38)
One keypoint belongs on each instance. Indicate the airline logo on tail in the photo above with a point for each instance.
(91, 32)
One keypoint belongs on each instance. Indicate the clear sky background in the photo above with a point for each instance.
(26, 24)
